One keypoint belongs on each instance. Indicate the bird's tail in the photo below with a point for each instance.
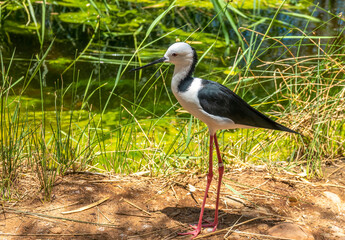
(283, 128)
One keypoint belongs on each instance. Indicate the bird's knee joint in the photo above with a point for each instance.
(221, 166)
(209, 176)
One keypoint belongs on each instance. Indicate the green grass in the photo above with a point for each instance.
(65, 129)
(14, 132)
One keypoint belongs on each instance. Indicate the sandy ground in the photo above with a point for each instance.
(253, 200)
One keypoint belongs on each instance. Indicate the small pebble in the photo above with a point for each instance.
(262, 227)
(146, 226)
(333, 197)
(56, 230)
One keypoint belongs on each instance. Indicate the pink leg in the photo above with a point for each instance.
(209, 179)
(220, 171)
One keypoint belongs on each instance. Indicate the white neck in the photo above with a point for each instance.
(180, 73)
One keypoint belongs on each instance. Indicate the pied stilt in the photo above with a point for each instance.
(215, 105)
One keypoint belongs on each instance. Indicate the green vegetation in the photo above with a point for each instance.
(68, 102)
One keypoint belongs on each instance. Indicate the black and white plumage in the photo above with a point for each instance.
(214, 104)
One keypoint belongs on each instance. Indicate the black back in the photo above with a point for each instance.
(218, 100)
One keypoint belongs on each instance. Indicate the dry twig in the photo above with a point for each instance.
(11, 210)
(132, 204)
(86, 207)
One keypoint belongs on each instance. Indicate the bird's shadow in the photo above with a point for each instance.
(190, 216)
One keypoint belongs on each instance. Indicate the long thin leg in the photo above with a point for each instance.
(209, 180)
(220, 171)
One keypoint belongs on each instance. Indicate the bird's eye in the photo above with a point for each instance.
(174, 54)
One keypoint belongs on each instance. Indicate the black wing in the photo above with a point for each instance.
(218, 100)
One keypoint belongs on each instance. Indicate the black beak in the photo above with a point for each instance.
(154, 62)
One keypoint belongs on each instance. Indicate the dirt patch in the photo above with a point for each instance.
(155, 208)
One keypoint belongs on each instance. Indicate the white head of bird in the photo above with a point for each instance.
(184, 57)
(180, 54)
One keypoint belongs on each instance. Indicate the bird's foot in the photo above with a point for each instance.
(194, 233)
(197, 230)
(210, 224)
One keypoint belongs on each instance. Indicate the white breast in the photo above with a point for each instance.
(189, 101)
